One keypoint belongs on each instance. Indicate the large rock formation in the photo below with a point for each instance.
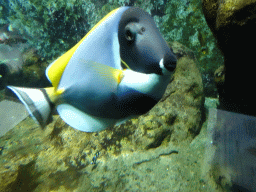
(232, 23)
(146, 153)
(233, 135)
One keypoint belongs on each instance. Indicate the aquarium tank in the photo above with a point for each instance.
(49, 90)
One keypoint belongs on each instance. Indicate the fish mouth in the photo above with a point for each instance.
(161, 64)
(167, 68)
(168, 63)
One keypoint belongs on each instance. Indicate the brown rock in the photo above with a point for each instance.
(219, 79)
(30, 57)
(60, 158)
(232, 23)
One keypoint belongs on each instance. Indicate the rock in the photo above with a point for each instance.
(219, 79)
(146, 153)
(232, 23)
(210, 89)
(30, 57)
(211, 102)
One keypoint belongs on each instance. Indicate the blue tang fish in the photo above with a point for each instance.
(118, 71)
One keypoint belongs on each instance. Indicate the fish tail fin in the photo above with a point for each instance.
(38, 102)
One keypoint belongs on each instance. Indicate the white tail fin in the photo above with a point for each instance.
(37, 103)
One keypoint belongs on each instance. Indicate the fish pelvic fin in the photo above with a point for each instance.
(38, 102)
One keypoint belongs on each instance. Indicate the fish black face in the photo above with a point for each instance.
(142, 47)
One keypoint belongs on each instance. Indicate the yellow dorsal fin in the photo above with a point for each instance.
(57, 68)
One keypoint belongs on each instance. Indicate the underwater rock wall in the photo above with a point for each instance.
(148, 152)
(232, 24)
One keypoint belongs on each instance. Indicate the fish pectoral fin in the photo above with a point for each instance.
(106, 72)
(53, 93)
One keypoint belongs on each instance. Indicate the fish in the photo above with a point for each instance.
(10, 35)
(12, 46)
(5, 32)
(119, 70)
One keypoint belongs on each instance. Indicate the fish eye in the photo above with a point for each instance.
(143, 29)
(129, 35)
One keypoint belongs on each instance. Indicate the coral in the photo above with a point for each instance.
(50, 26)
(55, 27)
